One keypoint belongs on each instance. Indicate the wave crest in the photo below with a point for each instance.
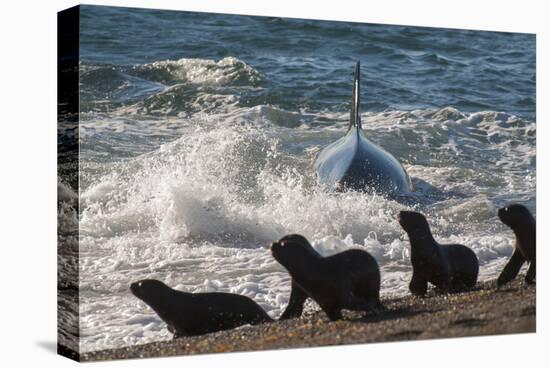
(227, 71)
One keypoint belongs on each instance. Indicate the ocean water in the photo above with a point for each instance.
(198, 134)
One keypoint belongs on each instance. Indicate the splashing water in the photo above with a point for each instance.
(199, 212)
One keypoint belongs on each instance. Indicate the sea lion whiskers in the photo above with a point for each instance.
(416, 226)
(304, 256)
(518, 218)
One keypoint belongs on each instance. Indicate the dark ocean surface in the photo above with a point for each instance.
(308, 64)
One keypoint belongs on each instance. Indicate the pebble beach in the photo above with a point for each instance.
(487, 310)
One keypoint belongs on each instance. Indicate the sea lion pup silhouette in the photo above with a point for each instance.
(348, 280)
(188, 314)
(523, 224)
(451, 268)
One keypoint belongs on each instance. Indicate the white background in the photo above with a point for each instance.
(28, 181)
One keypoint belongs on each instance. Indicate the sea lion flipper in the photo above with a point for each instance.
(531, 273)
(357, 302)
(418, 285)
(333, 312)
(295, 303)
(511, 269)
(373, 306)
(458, 287)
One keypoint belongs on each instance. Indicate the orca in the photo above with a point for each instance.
(353, 162)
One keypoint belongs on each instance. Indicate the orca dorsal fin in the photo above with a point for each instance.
(355, 115)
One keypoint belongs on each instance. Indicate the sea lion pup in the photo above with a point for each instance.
(348, 280)
(523, 224)
(451, 268)
(190, 314)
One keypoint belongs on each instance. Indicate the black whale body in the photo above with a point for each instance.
(353, 162)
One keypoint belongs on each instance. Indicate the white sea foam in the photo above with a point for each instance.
(199, 211)
(206, 72)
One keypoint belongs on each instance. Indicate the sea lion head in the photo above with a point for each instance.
(292, 250)
(148, 289)
(514, 214)
(413, 222)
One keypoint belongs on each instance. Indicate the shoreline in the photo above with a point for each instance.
(484, 311)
